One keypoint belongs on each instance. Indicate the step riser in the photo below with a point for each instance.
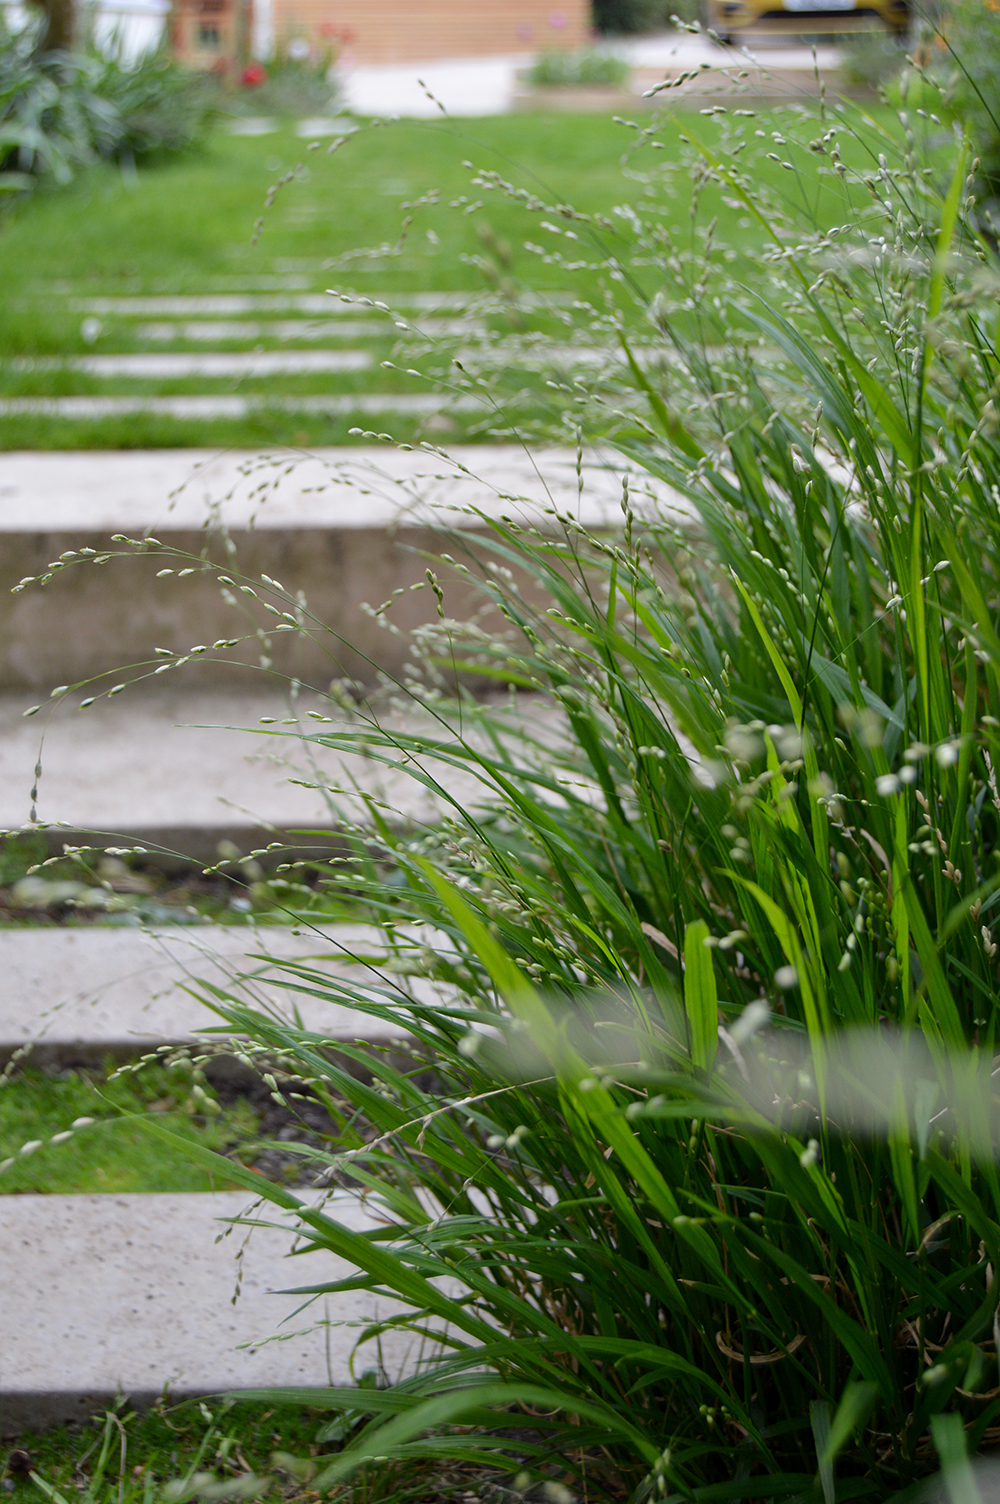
(90, 621)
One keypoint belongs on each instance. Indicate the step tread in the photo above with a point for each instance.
(194, 759)
(129, 1293)
(172, 366)
(171, 490)
(79, 994)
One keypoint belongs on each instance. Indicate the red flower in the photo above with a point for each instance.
(253, 75)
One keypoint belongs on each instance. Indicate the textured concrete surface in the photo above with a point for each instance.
(127, 1294)
(79, 994)
(215, 331)
(169, 305)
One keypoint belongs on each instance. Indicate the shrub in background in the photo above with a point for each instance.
(289, 87)
(569, 69)
(871, 60)
(51, 122)
(61, 111)
(161, 107)
(624, 17)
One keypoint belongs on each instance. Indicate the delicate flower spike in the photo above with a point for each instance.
(810, 1154)
(753, 1018)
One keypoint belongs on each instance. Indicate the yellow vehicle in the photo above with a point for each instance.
(732, 18)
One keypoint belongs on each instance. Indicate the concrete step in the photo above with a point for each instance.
(114, 1294)
(173, 367)
(181, 769)
(166, 305)
(203, 409)
(218, 331)
(347, 527)
(74, 996)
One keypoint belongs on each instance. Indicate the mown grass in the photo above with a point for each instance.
(397, 208)
(111, 1154)
(84, 1123)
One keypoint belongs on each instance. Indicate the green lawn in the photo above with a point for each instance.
(235, 1115)
(404, 194)
(111, 1154)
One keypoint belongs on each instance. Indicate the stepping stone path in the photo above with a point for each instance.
(128, 1293)
(124, 1294)
(241, 312)
(229, 318)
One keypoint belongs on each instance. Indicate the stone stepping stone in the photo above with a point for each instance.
(252, 125)
(256, 282)
(223, 304)
(325, 125)
(205, 408)
(215, 331)
(349, 486)
(214, 304)
(124, 1294)
(175, 367)
(75, 995)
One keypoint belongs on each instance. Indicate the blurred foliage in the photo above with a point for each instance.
(589, 65)
(629, 16)
(61, 111)
(970, 42)
(287, 88)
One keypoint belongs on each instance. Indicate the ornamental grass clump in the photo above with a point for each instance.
(703, 1202)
